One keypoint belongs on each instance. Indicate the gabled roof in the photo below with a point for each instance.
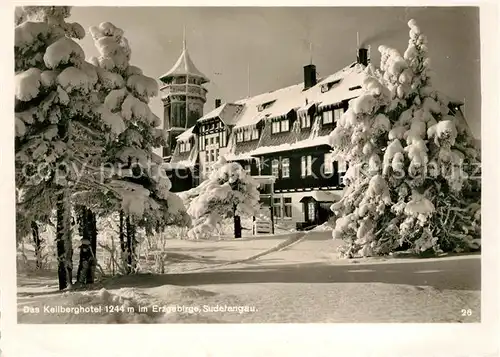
(184, 66)
(186, 134)
(228, 113)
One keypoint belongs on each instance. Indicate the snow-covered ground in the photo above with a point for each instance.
(303, 283)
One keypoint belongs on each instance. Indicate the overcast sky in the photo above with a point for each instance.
(274, 42)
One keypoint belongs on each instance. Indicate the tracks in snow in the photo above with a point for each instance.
(278, 247)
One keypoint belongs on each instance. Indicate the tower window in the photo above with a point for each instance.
(178, 115)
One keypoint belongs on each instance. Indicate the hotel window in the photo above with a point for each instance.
(181, 146)
(285, 125)
(305, 120)
(285, 167)
(306, 166)
(275, 127)
(328, 164)
(255, 134)
(239, 136)
(328, 117)
(207, 156)
(287, 207)
(311, 211)
(206, 142)
(277, 207)
(337, 113)
(246, 135)
(275, 168)
(212, 155)
(216, 154)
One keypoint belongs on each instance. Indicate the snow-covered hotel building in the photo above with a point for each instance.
(283, 133)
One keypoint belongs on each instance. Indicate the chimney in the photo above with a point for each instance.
(309, 76)
(217, 103)
(363, 56)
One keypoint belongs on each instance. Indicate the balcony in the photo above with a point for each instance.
(193, 90)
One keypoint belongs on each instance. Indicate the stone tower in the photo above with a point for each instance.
(183, 97)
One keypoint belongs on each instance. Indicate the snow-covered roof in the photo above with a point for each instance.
(340, 86)
(284, 100)
(280, 102)
(186, 135)
(346, 84)
(184, 66)
(229, 113)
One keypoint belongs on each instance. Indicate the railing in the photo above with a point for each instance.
(192, 89)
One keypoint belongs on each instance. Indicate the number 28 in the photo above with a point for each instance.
(466, 312)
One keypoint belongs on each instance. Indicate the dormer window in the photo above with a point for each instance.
(305, 120)
(239, 136)
(285, 125)
(328, 117)
(264, 106)
(184, 146)
(275, 127)
(327, 86)
(255, 133)
(337, 113)
(280, 126)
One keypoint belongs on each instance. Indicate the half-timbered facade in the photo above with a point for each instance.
(283, 134)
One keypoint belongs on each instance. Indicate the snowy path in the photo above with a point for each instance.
(301, 284)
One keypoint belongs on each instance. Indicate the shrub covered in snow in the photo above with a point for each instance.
(411, 157)
(228, 192)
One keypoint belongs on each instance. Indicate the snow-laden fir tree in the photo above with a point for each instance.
(412, 182)
(134, 171)
(228, 192)
(55, 110)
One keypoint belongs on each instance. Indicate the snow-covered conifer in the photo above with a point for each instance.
(228, 192)
(134, 171)
(411, 157)
(55, 115)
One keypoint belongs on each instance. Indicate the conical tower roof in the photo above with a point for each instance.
(184, 66)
